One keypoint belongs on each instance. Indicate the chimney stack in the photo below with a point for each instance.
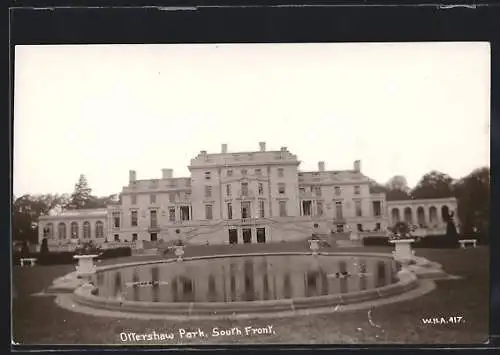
(321, 166)
(167, 173)
(131, 176)
(357, 166)
(283, 149)
(224, 148)
(262, 146)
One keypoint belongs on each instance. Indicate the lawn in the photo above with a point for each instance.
(38, 320)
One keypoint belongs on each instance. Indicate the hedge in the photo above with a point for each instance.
(66, 257)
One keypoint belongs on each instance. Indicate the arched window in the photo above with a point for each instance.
(86, 230)
(408, 215)
(48, 230)
(445, 213)
(420, 216)
(62, 230)
(395, 215)
(99, 229)
(433, 215)
(74, 230)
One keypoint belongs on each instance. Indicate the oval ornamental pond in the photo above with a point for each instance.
(246, 279)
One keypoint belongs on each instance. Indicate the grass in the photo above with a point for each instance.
(38, 320)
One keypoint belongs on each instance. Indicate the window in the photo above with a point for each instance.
(359, 211)
(99, 229)
(153, 218)
(229, 173)
(133, 199)
(317, 191)
(152, 199)
(86, 230)
(339, 213)
(261, 188)
(319, 208)
(360, 227)
(171, 214)
(281, 188)
(117, 237)
(377, 208)
(245, 210)
(337, 190)
(208, 212)
(116, 219)
(207, 175)
(357, 190)
(208, 191)
(133, 218)
(171, 197)
(228, 189)
(302, 191)
(377, 227)
(134, 237)
(306, 208)
(74, 230)
(48, 230)
(281, 172)
(185, 213)
(187, 195)
(282, 205)
(244, 189)
(258, 172)
(61, 229)
(244, 172)
(262, 209)
(229, 211)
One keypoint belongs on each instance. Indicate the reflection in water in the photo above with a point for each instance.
(246, 278)
(118, 284)
(233, 282)
(287, 286)
(363, 276)
(343, 280)
(265, 282)
(135, 279)
(249, 293)
(155, 273)
(380, 278)
(174, 290)
(212, 293)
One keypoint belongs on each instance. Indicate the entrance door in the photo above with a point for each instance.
(261, 235)
(154, 237)
(233, 236)
(247, 235)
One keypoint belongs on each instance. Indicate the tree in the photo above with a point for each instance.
(433, 185)
(25, 213)
(398, 182)
(473, 195)
(81, 196)
(397, 189)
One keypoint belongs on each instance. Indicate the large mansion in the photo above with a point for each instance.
(245, 197)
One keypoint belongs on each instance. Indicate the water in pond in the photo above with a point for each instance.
(251, 278)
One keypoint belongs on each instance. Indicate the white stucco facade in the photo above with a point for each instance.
(258, 196)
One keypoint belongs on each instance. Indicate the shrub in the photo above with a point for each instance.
(66, 257)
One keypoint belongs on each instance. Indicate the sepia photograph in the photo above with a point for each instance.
(212, 194)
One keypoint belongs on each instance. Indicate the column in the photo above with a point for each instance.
(414, 214)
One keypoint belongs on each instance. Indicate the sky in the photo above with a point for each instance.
(102, 110)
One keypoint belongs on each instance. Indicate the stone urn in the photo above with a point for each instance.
(179, 252)
(85, 265)
(314, 246)
(402, 249)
